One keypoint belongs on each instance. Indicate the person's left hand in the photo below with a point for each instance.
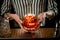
(40, 17)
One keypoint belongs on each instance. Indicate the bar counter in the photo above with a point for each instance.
(41, 33)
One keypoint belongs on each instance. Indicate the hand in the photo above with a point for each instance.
(14, 17)
(17, 19)
(40, 17)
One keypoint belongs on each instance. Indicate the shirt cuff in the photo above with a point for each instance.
(6, 15)
(50, 12)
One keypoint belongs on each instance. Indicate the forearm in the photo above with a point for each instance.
(7, 15)
(5, 7)
(14, 17)
(52, 10)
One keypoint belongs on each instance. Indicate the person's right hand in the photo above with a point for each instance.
(17, 19)
(14, 17)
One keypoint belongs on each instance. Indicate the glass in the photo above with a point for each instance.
(30, 22)
(4, 28)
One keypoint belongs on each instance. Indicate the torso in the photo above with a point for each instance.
(23, 7)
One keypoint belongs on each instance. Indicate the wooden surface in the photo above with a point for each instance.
(41, 33)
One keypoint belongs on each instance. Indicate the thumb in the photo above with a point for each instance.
(21, 21)
(40, 16)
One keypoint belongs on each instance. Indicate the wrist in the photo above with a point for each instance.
(50, 14)
(6, 16)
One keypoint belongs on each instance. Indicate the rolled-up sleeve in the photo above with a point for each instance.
(52, 5)
(5, 7)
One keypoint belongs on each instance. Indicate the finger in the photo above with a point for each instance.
(22, 28)
(40, 16)
(21, 21)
